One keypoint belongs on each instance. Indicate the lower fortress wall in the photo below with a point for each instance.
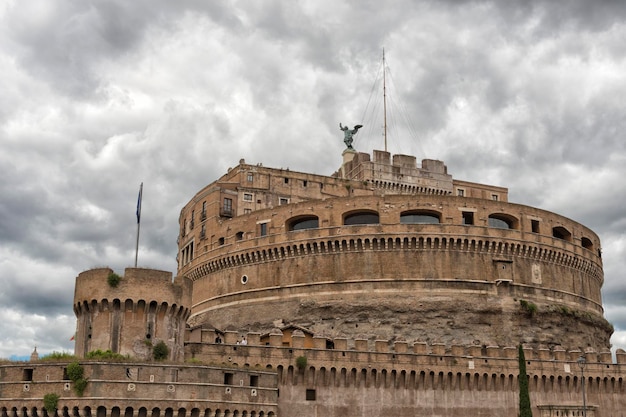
(138, 390)
(403, 379)
(341, 377)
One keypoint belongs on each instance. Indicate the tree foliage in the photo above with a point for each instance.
(525, 409)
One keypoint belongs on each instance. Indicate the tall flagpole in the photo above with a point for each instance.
(138, 221)
(385, 97)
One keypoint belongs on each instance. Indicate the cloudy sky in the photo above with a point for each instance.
(99, 96)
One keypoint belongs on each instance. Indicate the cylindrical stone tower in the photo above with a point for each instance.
(131, 316)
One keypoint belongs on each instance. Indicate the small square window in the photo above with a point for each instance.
(310, 395)
(228, 378)
(247, 197)
(282, 201)
(468, 217)
(535, 226)
(254, 380)
(247, 211)
(28, 374)
(494, 197)
(460, 192)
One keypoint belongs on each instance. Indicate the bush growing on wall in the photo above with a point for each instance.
(160, 351)
(75, 372)
(50, 402)
(114, 279)
(301, 362)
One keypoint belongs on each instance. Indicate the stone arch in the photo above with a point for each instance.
(503, 221)
(420, 217)
(302, 222)
(101, 411)
(356, 217)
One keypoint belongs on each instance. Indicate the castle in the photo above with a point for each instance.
(385, 289)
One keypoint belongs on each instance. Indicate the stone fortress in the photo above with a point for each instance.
(386, 289)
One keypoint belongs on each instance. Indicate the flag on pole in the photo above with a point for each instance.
(139, 203)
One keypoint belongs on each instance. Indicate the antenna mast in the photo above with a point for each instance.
(385, 99)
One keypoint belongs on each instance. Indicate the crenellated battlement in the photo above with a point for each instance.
(318, 347)
(131, 314)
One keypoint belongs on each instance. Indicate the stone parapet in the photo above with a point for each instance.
(417, 352)
(138, 385)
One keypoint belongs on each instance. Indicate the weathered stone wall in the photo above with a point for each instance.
(136, 389)
(444, 282)
(404, 379)
(145, 307)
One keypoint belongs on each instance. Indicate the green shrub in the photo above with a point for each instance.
(59, 356)
(75, 371)
(79, 386)
(531, 308)
(105, 354)
(301, 362)
(50, 402)
(160, 351)
(114, 279)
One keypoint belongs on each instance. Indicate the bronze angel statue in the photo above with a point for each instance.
(347, 134)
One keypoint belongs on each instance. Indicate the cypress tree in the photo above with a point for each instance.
(524, 397)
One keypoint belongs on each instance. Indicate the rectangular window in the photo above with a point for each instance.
(263, 227)
(250, 177)
(494, 197)
(228, 205)
(28, 374)
(247, 211)
(460, 192)
(310, 395)
(247, 197)
(228, 378)
(468, 217)
(254, 380)
(283, 201)
(286, 180)
(535, 226)
(304, 183)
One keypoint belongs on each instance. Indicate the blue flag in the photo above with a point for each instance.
(139, 203)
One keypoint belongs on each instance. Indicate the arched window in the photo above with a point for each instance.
(420, 217)
(587, 243)
(503, 221)
(361, 217)
(560, 232)
(302, 223)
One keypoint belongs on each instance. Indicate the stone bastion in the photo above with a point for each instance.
(129, 314)
(477, 272)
